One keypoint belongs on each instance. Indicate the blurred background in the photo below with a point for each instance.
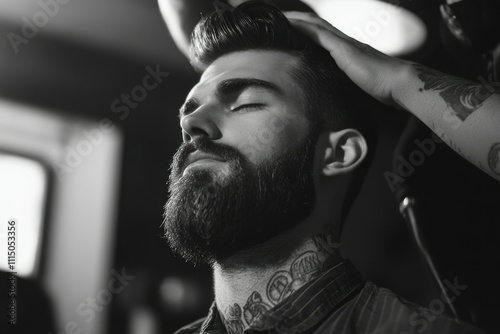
(89, 95)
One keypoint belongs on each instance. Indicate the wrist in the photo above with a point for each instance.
(402, 85)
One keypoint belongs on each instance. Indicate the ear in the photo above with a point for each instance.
(342, 152)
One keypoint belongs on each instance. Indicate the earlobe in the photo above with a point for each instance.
(344, 151)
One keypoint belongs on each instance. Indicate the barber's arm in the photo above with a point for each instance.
(181, 16)
(465, 114)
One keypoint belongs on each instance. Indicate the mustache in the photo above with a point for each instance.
(205, 145)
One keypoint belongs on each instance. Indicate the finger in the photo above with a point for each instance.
(319, 33)
(314, 19)
(300, 15)
(343, 50)
(301, 21)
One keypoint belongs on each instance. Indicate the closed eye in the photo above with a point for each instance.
(251, 106)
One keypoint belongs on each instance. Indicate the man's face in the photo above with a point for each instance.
(243, 173)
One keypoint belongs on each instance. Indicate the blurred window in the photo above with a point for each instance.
(23, 189)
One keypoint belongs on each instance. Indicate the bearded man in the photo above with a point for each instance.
(267, 218)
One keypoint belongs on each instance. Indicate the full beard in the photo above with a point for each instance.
(211, 215)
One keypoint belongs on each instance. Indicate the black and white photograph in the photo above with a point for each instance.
(250, 166)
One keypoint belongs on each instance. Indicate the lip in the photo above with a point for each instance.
(197, 156)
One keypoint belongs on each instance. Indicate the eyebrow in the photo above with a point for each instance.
(232, 86)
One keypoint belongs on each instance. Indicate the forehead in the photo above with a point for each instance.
(273, 66)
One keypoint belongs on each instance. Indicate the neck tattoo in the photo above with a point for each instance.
(283, 283)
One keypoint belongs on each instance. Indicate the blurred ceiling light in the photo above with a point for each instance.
(388, 28)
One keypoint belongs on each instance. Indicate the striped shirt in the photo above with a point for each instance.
(338, 301)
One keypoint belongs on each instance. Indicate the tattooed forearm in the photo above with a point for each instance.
(494, 158)
(462, 96)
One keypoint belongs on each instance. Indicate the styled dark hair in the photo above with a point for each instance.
(333, 101)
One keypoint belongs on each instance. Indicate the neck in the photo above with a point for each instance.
(244, 292)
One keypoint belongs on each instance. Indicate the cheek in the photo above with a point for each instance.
(264, 140)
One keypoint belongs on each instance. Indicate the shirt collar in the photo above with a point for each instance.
(305, 308)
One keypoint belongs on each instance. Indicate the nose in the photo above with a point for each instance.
(201, 122)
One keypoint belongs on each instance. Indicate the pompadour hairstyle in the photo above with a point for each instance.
(333, 101)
